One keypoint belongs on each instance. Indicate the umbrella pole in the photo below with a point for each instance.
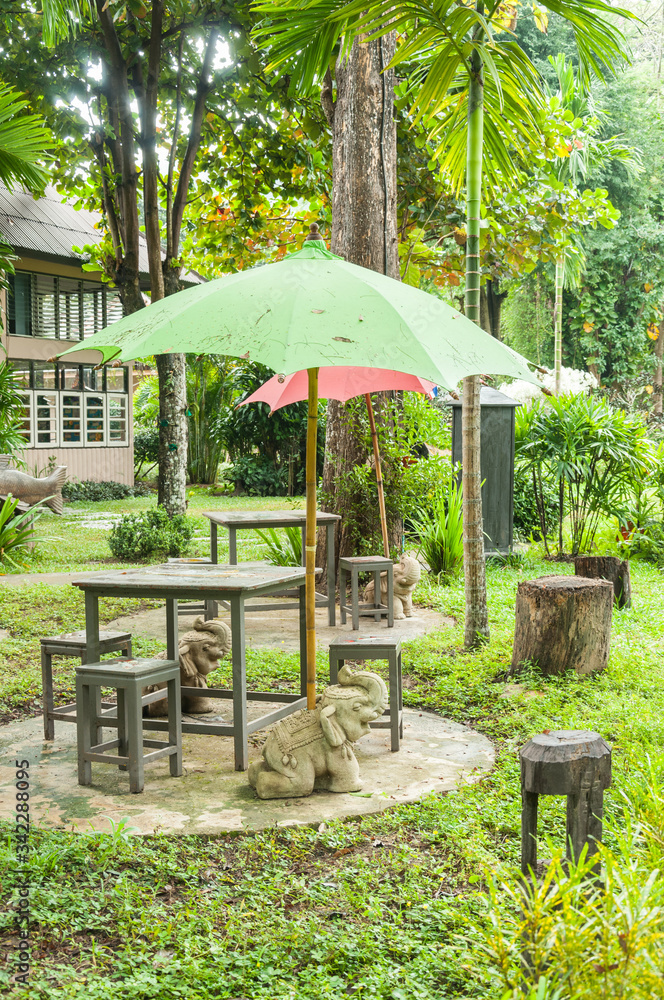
(310, 536)
(379, 477)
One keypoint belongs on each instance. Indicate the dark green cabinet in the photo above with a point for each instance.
(497, 465)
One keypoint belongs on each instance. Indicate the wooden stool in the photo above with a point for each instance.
(73, 644)
(210, 609)
(362, 564)
(375, 648)
(128, 677)
(571, 762)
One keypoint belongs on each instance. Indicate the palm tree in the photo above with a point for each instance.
(477, 91)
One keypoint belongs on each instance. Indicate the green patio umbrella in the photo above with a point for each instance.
(309, 310)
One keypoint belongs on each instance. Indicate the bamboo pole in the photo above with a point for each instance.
(379, 476)
(310, 536)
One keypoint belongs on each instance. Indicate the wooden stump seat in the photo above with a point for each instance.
(563, 623)
(608, 568)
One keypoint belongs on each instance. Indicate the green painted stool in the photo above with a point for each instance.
(73, 644)
(373, 647)
(128, 677)
(366, 564)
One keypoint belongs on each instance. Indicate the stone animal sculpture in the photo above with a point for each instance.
(30, 490)
(312, 749)
(406, 577)
(200, 651)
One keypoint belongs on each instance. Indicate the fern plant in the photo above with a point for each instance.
(282, 550)
(440, 532)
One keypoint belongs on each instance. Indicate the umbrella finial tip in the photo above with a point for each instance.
(313, 233)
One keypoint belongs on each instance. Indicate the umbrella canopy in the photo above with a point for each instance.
(339, 382)
(343, 382)
(313, 309)
(310, 309)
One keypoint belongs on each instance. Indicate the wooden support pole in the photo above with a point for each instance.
(310, 536)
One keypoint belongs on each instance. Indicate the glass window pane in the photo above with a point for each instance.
(117, 420)
(69, 309)
(94, 419)
(44, 306)
(46, 417)
(19, 304)
(44, 375)
(21, 373)
(116, 379)
(91, 378)
(71, 418)
(70, 376)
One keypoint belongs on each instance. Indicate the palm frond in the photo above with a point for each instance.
(24, 139)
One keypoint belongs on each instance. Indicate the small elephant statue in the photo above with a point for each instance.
(312, 749)
(200, 651)
(407, 574)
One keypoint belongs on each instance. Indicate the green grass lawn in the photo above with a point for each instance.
(395, 906)
(78, 540)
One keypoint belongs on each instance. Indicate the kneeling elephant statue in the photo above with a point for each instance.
(312, 749)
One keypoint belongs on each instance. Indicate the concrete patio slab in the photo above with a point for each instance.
(436, 755)
(280, 629)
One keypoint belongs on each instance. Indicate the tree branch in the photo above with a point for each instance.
(202, 90)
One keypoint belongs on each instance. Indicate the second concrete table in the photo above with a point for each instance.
(234, 520)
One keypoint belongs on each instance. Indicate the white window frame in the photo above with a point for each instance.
(61, 419)
(94, 444)
(124, 398)
(28, 395)
(55, 395)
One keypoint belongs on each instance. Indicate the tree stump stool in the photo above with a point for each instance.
(575, 763)
(563, 623)
(608, 568)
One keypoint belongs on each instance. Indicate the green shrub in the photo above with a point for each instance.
(527, 521)
(258, 476)
(93, 492)
(146, 450)
(152, 532)
(585, 451)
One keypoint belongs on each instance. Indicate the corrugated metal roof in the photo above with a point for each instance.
(50, 226)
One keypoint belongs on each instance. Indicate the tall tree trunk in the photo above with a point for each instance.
(558, 328)
(657, 380)
(172, 433)
(477, 619)
(364, 222)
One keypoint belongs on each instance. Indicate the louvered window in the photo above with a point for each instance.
(73, 406)
(45, 305)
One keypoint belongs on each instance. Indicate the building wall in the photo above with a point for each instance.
(98, 462)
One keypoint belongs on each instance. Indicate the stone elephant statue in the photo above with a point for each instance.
(312, 749)
(200, 651)
(406, 576)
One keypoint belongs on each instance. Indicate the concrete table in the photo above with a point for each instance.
(237, 519)
(205, 582)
